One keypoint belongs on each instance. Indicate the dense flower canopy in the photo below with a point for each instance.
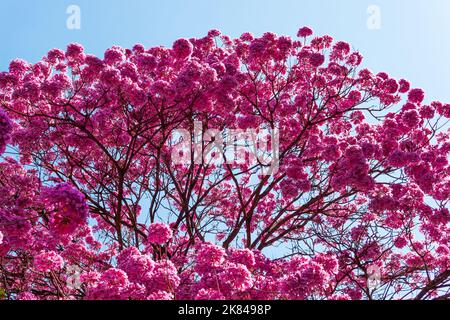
(93, 207)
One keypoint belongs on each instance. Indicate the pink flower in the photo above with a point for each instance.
(67, 208)
(304, 32)
(114, 55)
(284, 44)
(391, 86)
(74, 49)
(75, 53)
(236, 276)
(416, 96)
(159, 233)
(380, 204)
(182, 48)
(55, 55)
(247, 36)
(129, 70)
(383, 75)
(404, 86)
(342, 47)
(137, 266)
(111, 77)
(400, 242)
(5, 131)
(1, 237)
(214, 33)
(355, 59)
(310, 277)
(26, 296)
(316, 59)
(242, 256)
(209, 294)
(18, 67)
(160, 295)
(209, 256)
(138, 48)
(358, 233)
(57, 86)
(427, 112)
(352, 169)
(48, 261)
(113, 284)
(146, 62)
(340, 50)
(289, 188)
(355, 96)
(411, 118)
(444, 110)
(164, 277)
(398, 159)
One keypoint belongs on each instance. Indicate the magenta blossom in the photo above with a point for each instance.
(302, 174)
(159, 233)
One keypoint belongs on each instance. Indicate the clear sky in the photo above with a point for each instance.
(413, 40)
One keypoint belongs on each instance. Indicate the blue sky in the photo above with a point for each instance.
(413, 41)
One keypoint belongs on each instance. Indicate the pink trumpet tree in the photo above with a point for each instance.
(92, 205)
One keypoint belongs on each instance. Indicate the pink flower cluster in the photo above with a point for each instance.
(353, 170)
(159, 233)
(362, 183)
(304, 32)
(5, 131)
(48, 261)
(67, 208)
(137, 276)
